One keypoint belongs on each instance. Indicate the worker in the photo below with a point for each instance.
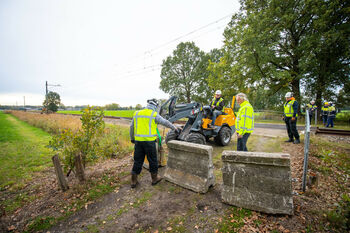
(324, 112)
(290, 118)
(331, 115)
(244, 121)
(217, 106)
(312, 109)
(143, 132)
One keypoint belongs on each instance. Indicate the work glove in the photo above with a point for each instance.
(283, 118)
(132, 141)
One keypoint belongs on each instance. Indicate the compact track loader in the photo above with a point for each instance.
(196, 129)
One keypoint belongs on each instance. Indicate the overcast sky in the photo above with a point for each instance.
(99, 51)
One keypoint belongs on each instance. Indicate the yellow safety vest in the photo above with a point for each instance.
(245, 119)
(145, 127)
(325, 110)
(218, 103)
(288, 109)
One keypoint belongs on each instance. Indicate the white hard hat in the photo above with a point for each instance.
(288, 95)
(218, 92)
(312, 101)
(153, 102)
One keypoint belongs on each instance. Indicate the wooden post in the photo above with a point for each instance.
(79, 167)
(59, 173)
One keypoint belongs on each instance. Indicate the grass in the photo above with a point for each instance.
(116, 113)
(23, 152)
(233, 219)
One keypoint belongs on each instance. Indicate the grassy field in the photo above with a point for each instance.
(23, 153)
(116, 113)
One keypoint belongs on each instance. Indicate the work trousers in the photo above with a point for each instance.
(330, 121)
(324, 118)
(291, 128)
(242, 142)
(216, 113)
(143, 148)
(311, 118)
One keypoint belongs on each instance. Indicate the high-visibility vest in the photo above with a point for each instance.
(288, 109)
(218, 103)
(331, 111)
(145, 127)
(325, 110)
(245, 119)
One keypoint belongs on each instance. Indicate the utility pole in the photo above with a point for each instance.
(51, 85)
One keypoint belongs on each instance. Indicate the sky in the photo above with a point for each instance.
(99, 51)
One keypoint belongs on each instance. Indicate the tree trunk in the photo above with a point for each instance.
(59, 173)
(79, 168)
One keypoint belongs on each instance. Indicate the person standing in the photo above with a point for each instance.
(312, 109)
(217, 106)
(331, 115)
(324, 112)
(143, 132)
(290, 118)
(244, 121)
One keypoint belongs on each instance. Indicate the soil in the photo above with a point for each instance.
(166, 207)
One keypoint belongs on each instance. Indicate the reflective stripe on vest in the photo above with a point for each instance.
(218, 103)
(245, 119)
(288, 109)
(145, 127)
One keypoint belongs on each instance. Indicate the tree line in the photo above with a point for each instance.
(270, 47)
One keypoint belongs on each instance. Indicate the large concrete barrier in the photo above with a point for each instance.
(257, 181)
(190, 166)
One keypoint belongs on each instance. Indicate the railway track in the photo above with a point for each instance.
(329, 131)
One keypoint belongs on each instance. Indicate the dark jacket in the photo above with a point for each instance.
(221, 104)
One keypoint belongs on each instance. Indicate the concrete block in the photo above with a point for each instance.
(190, 166)
(258, 181)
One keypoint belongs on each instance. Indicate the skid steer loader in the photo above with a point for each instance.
(196, 129)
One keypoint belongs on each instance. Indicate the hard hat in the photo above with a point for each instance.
(326, 103)
(312, 101)
(218, 92)
(153, 102)
(288, 95)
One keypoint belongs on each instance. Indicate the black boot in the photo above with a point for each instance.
(297, 141)
(155, 178)
(290, 140)
(134, 181)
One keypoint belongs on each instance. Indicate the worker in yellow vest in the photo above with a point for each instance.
(244, 121)
(217, 106)
(331, 115)
(312, 109)
(143, 132)
(290, 118)
(324, 112)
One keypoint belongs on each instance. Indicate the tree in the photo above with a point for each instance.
(112, 106)
(328, 63)
(52, 101)
(184, 73)
(138, 106)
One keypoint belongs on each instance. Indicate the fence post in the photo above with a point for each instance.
(59, 173)
(316, 117)
(79, 167)
(306, 149)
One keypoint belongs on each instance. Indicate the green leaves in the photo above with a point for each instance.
(52, 101)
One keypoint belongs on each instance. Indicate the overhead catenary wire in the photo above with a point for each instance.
(151, 52)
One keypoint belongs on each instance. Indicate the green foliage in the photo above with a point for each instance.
(184, 74)
(85, 141)
(40, 223)
(339, 218)
(138, 107)
(52, 101)
(233, 219)
(112, 106)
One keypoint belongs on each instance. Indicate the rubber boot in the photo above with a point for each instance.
(297, 141)
(155, 178)
(290, 140)
(134, 181)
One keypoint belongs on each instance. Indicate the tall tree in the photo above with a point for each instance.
(329, 61)
(52, 101)
(184, 73)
